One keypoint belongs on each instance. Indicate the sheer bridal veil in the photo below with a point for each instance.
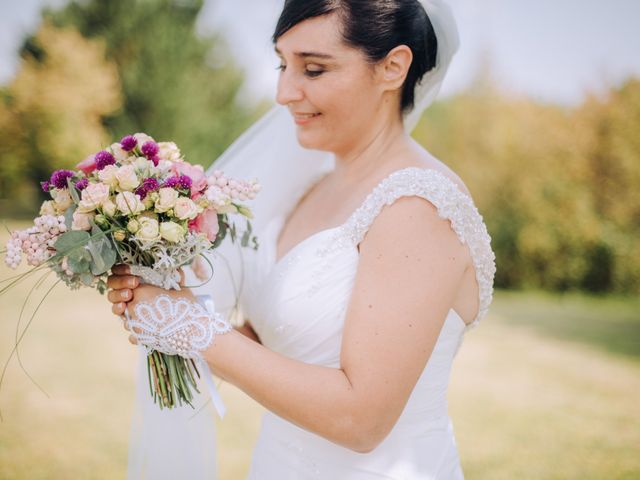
(180, 443)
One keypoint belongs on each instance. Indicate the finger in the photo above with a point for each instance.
(122, 281)
(117, 296)
(182, 277)
(133, 340)
(119, 308)
(137, 330)
(120, 269)
(125, 324)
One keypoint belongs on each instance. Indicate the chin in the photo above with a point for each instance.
(312, 142)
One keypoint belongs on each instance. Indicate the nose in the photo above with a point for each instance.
(289, 89)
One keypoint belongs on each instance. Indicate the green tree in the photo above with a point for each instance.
(559, 188)
(177, 85)
(51, 113)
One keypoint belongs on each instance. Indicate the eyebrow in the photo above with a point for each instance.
(324, 56)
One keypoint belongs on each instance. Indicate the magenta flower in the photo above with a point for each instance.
(59, 178)
(171, 182)
(46, 186)
(82, 184)
(148, 185)
(156, 160)
(128, 143)
(103, 159)
(195, 172)
(150, 149)
(185, 182)
(179, 181)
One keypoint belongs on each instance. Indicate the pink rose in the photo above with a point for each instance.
(87, 165)
(195, 172)
(207, 223)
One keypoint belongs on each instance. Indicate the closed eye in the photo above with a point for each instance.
(307, 72)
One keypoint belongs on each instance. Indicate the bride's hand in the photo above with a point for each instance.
(127, 291)
(122, 285)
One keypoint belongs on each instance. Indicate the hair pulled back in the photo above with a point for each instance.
(375, 27)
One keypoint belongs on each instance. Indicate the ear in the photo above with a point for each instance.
(395, 67)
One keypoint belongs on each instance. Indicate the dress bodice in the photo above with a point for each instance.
(297, 305)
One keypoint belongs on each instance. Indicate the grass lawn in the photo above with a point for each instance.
(545, 388)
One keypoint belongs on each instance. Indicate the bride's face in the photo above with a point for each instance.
(329, 87)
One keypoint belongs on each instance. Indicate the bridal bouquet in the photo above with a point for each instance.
(138, 203)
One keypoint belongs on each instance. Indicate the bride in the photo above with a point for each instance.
(373, 260)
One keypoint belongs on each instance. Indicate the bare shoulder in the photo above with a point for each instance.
(409, 234)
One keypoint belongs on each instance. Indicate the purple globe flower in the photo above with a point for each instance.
(59, 178)
(150, 149)
(171, 182)
(128, 143)
(82, 184)
(156, 160)
(46, 186)
(151, 184)
(103, 159)
(148, 185)
(185, 182)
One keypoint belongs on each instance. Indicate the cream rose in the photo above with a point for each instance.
(119, 153)
(169, 151)
(142, 138)
(108, 175)
(93, 196)
(133, 226)
(167, 198)
(142, 164)
(109, 208)
(81, 221)
(149, 229)
(171, 231)
(129, 203)
(127, 178)
(185, 209)
(61, 199)
(47, 208)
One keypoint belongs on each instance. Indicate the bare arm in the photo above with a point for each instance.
(410, 268)
(411, 264)
(247, 330)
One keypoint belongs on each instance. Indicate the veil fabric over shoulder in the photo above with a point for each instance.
(181, 443)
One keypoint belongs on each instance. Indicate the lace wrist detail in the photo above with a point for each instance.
(176, 327)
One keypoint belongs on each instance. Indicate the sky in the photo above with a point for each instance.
(551, 50)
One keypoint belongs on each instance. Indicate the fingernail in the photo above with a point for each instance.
(132, 282)
(125, 294)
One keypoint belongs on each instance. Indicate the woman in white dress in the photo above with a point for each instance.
(362, 289)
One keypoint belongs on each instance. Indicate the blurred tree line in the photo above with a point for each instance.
(559, 188)
(98, 70)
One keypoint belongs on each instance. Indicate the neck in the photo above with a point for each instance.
(370, 152)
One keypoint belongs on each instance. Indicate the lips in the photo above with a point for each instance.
(303, 118)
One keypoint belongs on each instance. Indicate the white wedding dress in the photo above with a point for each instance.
(297, 307)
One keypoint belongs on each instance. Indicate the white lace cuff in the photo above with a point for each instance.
(176, 326)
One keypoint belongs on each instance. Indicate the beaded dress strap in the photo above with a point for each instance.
(451, 204)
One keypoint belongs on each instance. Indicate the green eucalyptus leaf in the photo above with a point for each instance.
(71, 241)
(73, 192)
(86, 279)
(96, 248)
(68, 217)
(246, 236)
(79, 265)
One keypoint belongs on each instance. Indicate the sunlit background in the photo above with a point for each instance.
(540, 115)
